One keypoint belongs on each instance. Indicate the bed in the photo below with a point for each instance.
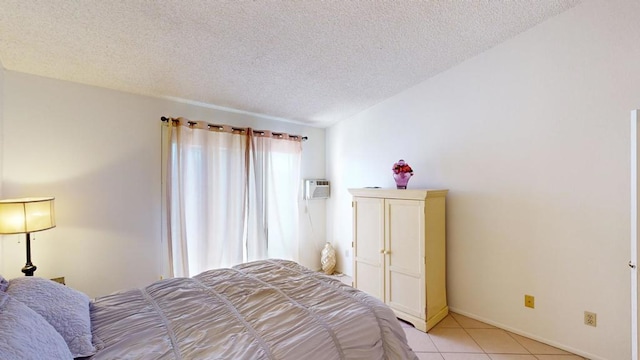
(270, 309)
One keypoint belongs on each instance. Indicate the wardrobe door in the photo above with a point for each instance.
(405, 261)
(368, 247)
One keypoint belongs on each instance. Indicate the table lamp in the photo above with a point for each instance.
(24, 216)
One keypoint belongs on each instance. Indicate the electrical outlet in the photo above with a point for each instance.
(530, 301)
(590, 318)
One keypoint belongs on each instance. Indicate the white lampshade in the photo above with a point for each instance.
(18, 216)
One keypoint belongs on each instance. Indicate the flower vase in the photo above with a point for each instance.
(402, 179)
(328, 259)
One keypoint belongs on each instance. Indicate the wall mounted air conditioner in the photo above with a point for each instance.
(316, 189)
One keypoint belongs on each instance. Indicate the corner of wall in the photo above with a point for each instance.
(2, 85)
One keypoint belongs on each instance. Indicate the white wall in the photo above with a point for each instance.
(532, 139)
(1, 140)
(98, 151)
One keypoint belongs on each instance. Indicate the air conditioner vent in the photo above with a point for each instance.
(316, 189)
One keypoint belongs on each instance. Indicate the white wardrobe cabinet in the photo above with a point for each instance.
(399, 251)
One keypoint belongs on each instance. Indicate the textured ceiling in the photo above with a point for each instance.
(309, 61)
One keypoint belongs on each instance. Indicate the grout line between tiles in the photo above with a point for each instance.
(484, 351)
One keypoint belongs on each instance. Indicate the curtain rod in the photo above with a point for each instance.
(220, 127)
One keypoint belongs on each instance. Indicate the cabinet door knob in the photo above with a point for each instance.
(387, 252)
(381, 251)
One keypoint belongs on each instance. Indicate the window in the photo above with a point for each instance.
(231, 197)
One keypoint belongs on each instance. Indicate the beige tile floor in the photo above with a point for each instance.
(458, 337)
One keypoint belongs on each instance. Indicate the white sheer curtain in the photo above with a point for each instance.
(206, 204)
(273, 198)
(231, 197)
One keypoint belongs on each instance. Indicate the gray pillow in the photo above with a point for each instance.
(66, 309)
(27, 335)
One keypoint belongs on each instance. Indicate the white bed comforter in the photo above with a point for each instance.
(272, 309)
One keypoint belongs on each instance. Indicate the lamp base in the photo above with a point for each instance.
(29, 269)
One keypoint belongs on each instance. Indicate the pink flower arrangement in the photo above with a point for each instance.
(402, 167)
